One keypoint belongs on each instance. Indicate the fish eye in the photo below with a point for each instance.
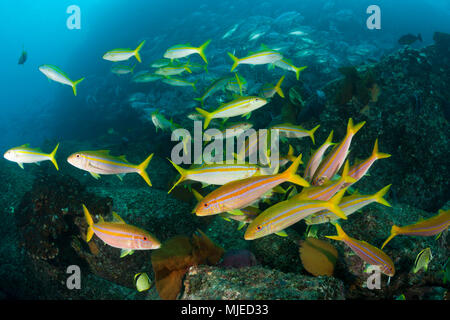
(145, 238)
(205, 204)
(78, 155)
(258, 228)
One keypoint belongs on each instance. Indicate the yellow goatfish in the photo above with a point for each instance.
(269, 90)
(184, 50)
(101, 162)
(119, 234)
(358, 170)
(123, 54)
(243, 193)
(349, 205)
(424, 228)
(261, 57)
(366, 251)
(287, 65)
(316, 158)
(241, 106)
(336, 158)
(286, 213)
(217, 174)
(25, 154)
(292, 131)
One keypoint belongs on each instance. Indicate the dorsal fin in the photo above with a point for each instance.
(117, 218)
(100, 219)
(26, 145)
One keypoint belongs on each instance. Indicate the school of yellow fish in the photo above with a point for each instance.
(241, 187)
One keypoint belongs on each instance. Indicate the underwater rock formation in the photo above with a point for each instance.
(258, 283)
(409, 119)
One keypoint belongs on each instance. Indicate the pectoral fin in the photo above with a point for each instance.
(20, 164)
(281, 233)
(95, 175)
(125, 252)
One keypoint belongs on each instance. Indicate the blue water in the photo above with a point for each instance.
(34, 109)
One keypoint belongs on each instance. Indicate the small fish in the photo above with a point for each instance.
(231, 31)
(286, 213)
(230, 131)
(422, 260)
(119, 234)
(179, 82)
(257, 58)
(237, 84)
(255, 35)
(124, 54)
(409, 39)
(287, 65)
(216, 174)
(424, 228)
(142, 281)
(162, 123)
(121, 69)
(160, 63)
(316, 158)
(366, 252)
(217, 85)
(244, 215)
(243, 193)
(290, 130)
(241, 106)
(184, 50)
(25, 154)
(101, 162)
(357, 171)
(349, 205)
(23, 57)
(55, 74)
(336, 158)
(269, 90)
(146, 77)
(172, 70)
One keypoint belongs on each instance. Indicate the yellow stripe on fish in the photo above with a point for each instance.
(240, 106)
(424, 228)
(25, 154)
(286, 213)
(335, 159)
(242, 193)
(349, 205)
(366, 251)
(101, 162)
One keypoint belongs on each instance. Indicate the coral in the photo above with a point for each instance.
(362, 87)
(176, 256)
(256, 283)
(318, 256)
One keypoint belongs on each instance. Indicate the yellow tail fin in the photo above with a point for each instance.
(278, 87)
(378, 155)
(136, 52)
(353, 129)
(74, 85)
(334, 204)
(340, 233)
(291, 173)
(201, 50)
(90, 222)
(197, 195)
(394, 231)
(379, 196)
(311, 133)
(298, 70)
(345, 177)
(52, 157)
(206, 115)
(142, 167)
(183, 173)
(330, 139)
(235, 61)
